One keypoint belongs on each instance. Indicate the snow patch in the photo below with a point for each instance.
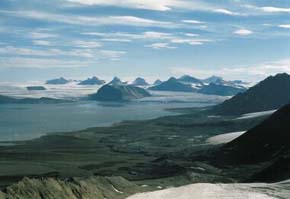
(255, 114)
(224, 138)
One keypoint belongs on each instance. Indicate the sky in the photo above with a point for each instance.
(236, 39)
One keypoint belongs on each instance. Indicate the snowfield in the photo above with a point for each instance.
(221, 191)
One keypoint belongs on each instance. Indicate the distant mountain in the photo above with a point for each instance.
(189, 79)
(220, 81)
(115, 92)
(117, 81)
(92, 81)
(271, 93)
(60, 80)
(140, 82)
(43, 100)
(35, 88)
(213, 79)
(217, 89)
(267, 142)
(157, 82)
(173, 84)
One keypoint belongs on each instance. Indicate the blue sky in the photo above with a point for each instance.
(236, 39)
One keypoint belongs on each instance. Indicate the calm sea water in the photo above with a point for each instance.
(20, 122)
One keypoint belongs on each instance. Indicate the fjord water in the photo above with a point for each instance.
(27, 121)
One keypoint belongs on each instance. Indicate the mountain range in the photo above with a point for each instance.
(212, 86)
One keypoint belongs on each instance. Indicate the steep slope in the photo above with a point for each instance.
(119, 93)
(92, 81)
(222, 90)
(271, 93)
(173, 85)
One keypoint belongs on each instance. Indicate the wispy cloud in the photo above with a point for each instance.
(40, 35)
(190, 41)
(40, 63)
(157, 5)
(86, 44)
(243, 32)
(163, 37)
(88, 20)
(275, 9)
(11, 50)
(90, 54)
(227, 12)
(192, 21)
(132, 36)
(160, 46)
(42, 43)
(284, 26)
(267, 9)
(112, 54)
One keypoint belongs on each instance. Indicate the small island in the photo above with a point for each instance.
(35, 88)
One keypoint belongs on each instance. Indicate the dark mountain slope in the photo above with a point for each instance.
(267, 141)
(267, 145)
(271, 93)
